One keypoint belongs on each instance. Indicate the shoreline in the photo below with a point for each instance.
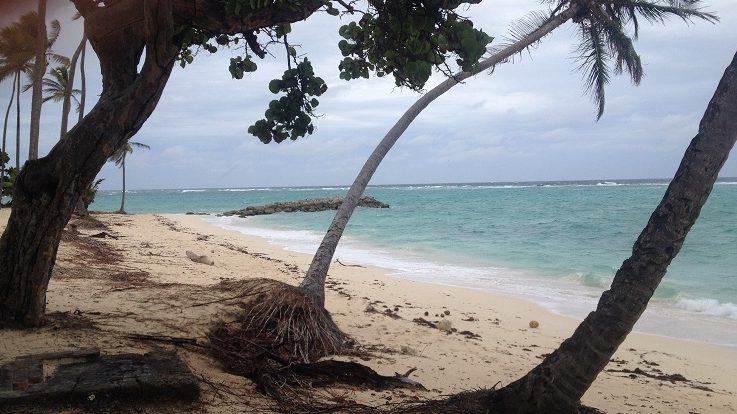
(152, 287)
(687, 326)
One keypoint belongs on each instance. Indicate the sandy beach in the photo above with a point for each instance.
(106, 289)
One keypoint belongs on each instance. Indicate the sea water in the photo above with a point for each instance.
(555, 243)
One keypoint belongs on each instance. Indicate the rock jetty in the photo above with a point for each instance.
(311, 205)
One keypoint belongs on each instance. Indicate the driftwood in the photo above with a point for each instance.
(164, 338)
(204, 259)
(152, 376)
(103, 234)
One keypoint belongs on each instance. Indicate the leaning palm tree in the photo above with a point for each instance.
(5, 134)
(118, 158)
(601, 25)
(78, 56)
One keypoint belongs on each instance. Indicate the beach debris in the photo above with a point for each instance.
(445, 325)
(348, 265)
(75, 376)
(310, 205)
(446, 312)
(424, 322)
(164, 338)
(104, 234)
(534, 324)
(204, 259)
(407, 350)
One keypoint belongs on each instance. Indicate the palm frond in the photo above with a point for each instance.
(620, 46)
(133, 144)
(53, 35)
(57, 58)
(655, 12)
(523, 28)
(594, 63)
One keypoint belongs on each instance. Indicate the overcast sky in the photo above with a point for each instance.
(528, 121)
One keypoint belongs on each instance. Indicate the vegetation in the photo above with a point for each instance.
(118, 158)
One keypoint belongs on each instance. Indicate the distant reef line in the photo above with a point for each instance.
(309, 205)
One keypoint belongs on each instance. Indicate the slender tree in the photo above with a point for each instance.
(601, 25)
(39, 69)
(118, 158)
(66, 107)
(17, 55)
(5, 134)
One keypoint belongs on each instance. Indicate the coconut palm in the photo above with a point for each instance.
(57, 88)
(39, 68)
(78, 56)
(5, 134)
(603, 41)
(18, 52)
(118, 158)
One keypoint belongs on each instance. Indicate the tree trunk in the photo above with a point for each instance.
(39, 70)
(47, 189)
(314, 282)
(122, 195)
(67, 106)
(17, 123)
(5, 135)
(559, 382)
(83, 79)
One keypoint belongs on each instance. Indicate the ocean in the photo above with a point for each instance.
(555, 243)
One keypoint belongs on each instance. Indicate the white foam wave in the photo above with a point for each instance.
(711, 307)
(237, 190)
(193, 191)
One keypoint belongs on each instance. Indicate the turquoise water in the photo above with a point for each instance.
(558, 244)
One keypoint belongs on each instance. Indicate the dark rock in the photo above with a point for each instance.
(311, 205)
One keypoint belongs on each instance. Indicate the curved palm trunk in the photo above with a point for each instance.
(5, 135)
(559, 382)
(83, 79)
(39, 69)
(67, 106)
(314, 281)
(122, 195)
(17, 123)
(47, 189)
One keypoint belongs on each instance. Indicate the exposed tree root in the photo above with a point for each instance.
(275, 319)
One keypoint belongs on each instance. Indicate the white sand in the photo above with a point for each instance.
(446, 363)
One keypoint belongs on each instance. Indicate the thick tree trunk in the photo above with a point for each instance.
(39, 70)
(314, 282)
(47, 189)
(559, 382)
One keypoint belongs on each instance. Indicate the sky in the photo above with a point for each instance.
(529, 120)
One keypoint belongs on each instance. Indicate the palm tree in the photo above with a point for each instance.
(78, 53)
(118, 158)
(603, 38)
(17, 54)
(57, 88)
(39, 68)
(5, 132)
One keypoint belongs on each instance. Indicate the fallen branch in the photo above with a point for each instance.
(348, 265)
(103, 234)
(164, 338)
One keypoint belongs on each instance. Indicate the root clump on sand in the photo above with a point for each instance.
(274, 321)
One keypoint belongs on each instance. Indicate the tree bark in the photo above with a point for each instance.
(314, 282)
(39, 70)
(559, 382)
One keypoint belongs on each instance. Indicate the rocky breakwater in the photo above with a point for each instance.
(311, 205)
